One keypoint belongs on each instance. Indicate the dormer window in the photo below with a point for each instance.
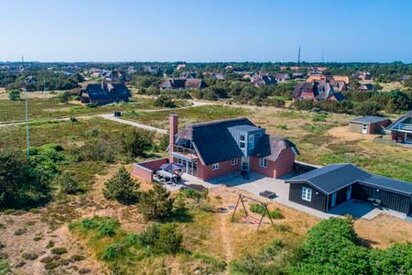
(251, 142)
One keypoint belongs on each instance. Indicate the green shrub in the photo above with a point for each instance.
(161, 239)
(64, 97)
(20, 231)
(282, 126)
(319, 117)
(14, 95)
(68, 183)
(108, 227)
(58, 250)
(77, 258)
(4, 267)
(31, 256)
(132, 239)
(136, 142)
(164, 101)
(21, 183)
(193, 194)
(156, 203)
(272, 259)
(89, 224)
(260, 209)
(122, 187)
(113, 251)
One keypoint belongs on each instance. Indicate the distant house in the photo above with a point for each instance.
(180, 67)
(281, 77)
(369, 124)
(320, 77)
(362, 75)
(188, 75)
(317, 91)
(401, 129)
(367, 87)
(298, 75)
(104, 93)
(325, 188)
(182, 84)
(339, 83)
(151, 69)
(262, 79)
(115, 76)
(405, 78)
(218, 76)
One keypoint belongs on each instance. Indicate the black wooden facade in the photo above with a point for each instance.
(319, 200)
(322, 202)
(387, 199)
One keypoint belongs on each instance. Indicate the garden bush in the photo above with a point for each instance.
(259, 209)
(161, 238)
(156, 204)
(122, 187)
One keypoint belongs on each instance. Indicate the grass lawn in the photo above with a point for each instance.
(195, 114)
(318, 143)
(66, 133)
(49, 108)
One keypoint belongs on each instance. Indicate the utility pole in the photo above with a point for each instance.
(27, 127)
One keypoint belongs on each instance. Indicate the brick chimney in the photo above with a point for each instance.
(173, 128)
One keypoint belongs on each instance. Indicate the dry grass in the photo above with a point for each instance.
(384, 230)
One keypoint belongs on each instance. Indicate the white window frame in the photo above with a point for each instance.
(215, 166)
(263, 162)
(234, 161)
(306, 194)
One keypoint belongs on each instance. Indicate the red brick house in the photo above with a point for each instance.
(211, 149)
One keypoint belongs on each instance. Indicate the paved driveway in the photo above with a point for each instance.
(258, 183)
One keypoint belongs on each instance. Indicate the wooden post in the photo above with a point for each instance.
(244, 207)
(234, 212)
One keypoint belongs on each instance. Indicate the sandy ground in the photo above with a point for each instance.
(345, 134)
(225, 239)
(384, 230)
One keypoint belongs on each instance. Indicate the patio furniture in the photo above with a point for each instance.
(268, 194)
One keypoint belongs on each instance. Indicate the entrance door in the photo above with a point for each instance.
(245, 164)
(364, 128)
(333, 201)
(349, 192)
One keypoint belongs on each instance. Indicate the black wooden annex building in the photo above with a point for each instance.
(329, 186)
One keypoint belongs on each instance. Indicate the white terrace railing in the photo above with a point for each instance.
(188, 152)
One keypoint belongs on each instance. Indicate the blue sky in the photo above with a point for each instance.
(206, 30)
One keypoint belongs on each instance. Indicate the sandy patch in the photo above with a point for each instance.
(384, 231)
(344, 133)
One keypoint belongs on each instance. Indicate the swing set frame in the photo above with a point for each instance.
(264, 204)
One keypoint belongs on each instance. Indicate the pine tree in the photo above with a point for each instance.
(156, 203)
(122, 187)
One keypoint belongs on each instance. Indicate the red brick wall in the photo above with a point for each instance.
(275, 169)
(225, 167)
(375, 128)
(268, 171)
(145, 170)
(284, 164)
